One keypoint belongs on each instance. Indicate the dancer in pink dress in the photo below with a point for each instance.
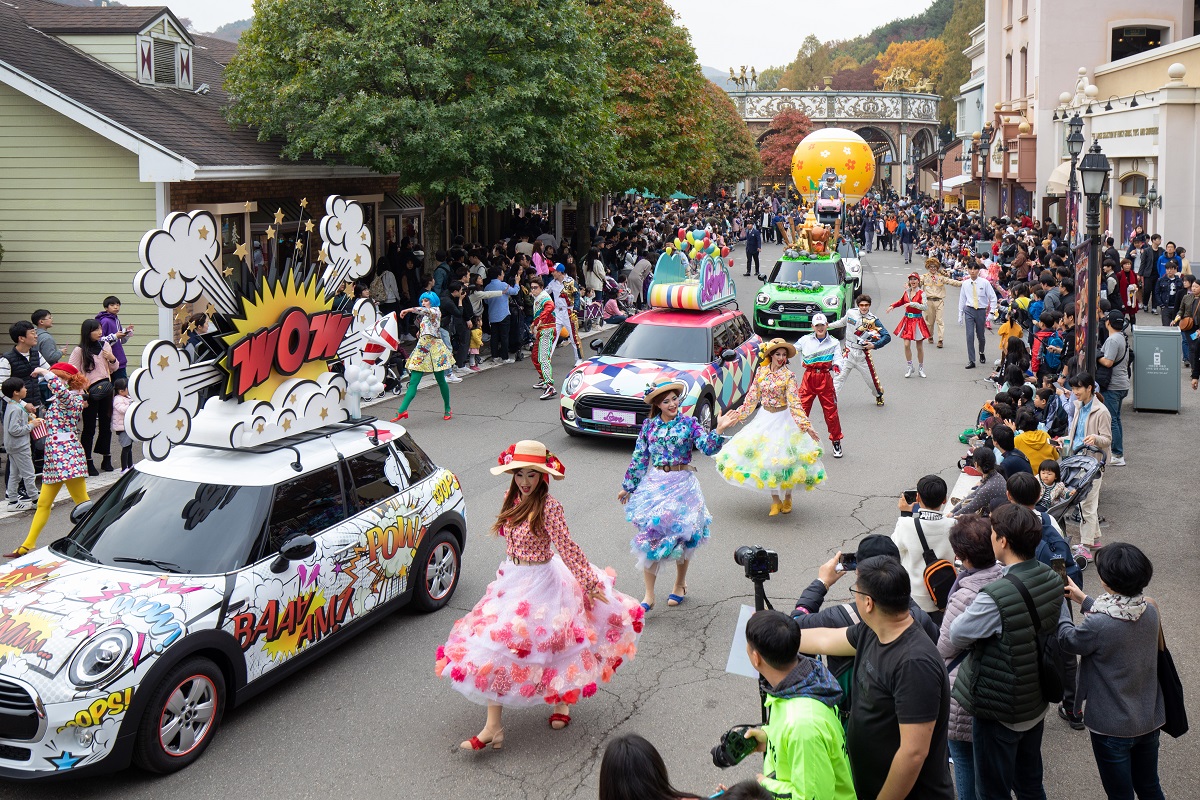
(913, 328)
(551, 627)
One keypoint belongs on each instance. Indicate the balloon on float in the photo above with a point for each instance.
(681, 232)
(845, 151)
(731, 262)
(724, 252)
(690, 238)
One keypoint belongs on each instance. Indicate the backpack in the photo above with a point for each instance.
(1053, 360)
(1049, 660)
(940, 574)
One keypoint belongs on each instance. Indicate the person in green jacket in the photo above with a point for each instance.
(803, 741)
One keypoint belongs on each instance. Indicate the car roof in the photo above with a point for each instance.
(269, 464)
(684, 319)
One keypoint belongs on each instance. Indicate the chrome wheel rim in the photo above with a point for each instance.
(706, 416)
(440, 571)
(187, 716)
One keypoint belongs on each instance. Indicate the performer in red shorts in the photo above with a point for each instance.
(821, 355)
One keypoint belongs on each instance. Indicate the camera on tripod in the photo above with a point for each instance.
(759, 562)
(734, 747)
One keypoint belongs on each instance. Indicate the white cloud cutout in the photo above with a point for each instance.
(161, 414)
(176, 257)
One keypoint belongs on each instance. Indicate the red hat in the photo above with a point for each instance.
(65, 367)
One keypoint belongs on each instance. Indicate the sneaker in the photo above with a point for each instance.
(1073, 719)
(908, 372)
(1084, 552)
(550, 392)
(509, 360)
(1117, 461)
(879, 399)
(837, 449)
(453, 378)
(921, 371)
(540, 385)
(473, 368)
(20, 505)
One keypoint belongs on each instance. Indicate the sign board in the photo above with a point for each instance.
(972, 205)
(695, 285)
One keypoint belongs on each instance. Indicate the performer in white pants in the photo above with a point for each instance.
(865, 333)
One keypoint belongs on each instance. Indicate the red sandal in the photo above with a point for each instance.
(565, 719)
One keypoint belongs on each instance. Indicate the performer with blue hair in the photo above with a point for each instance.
(429, 355)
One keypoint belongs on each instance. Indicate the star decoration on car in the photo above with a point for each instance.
(270, 232)
(279, 216)
(65, 760)
(241, 251)
(163, 362)
(203, 233)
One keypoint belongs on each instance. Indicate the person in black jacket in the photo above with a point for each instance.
(454, 321)
(1050, 412)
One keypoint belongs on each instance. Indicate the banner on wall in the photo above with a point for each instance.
(1084, 313)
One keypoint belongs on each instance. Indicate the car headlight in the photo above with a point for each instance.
(100, 657)
(831, 301)
(762, 299)
(574, 383)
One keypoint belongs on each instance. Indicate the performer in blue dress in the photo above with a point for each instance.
(662, 493)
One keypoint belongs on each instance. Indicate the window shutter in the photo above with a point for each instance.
(164, 62)
(183, 66)
(145, 59)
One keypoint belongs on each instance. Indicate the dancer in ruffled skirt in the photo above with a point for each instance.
(663, 497)
(778, 450)
(913, 327)
(550, 627)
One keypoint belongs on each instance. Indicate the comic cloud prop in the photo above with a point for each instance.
(269, 375)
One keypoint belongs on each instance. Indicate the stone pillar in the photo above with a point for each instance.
(1179, 159)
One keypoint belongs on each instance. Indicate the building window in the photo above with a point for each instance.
(1008, 12)
(1024, 72)
(1008, 77)
(1129, 41)
(164, 62)
(1133, 186)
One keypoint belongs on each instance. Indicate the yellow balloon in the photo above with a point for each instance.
(845, 151)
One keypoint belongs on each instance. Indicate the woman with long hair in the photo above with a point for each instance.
(94, 359)
(632, 769)
(778, 450)
(912, 327)
(429, 355)
(551, 626)
(663, 496)
(64, 458)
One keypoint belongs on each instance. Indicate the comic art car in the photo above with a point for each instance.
(199, 579)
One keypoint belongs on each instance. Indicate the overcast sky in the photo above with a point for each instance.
(759, 33)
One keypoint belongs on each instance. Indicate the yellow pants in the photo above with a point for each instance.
(933, 316)
(78, 489)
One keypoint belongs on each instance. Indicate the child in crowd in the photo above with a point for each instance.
(17, 424)
(1044, 329)
(1037, 302)
(1053, 489)
(121, 403)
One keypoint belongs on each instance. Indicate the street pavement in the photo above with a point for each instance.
(371, 720)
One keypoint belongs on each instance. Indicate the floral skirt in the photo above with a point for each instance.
(430, 355)
(531, 641)
(771, 454)
(670, 516)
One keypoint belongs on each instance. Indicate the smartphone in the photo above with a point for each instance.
(848, 562)
(910, 496)
(1059, 565)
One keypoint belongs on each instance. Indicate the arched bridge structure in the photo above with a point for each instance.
(901, 127)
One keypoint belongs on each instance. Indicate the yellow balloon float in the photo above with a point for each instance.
(845, 151)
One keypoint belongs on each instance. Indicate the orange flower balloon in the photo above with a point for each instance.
(845, 151)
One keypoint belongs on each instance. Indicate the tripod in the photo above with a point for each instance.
(760, 603)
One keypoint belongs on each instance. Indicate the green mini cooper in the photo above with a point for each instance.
(802, 285)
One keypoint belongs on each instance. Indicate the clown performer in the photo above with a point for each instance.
(779, 449)
(545, 334)
(65, 462)
(661, 492)
(933, 284)
(429, 355)
(865, 333)
(821, 355)
(913, 328)
(564, 291)
(551, 626)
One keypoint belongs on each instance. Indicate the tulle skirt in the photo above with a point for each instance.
(771, 454)
(531, 641)
(670, 516)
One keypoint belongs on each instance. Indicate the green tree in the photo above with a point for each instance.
(788, 129)
(768, 79)
(812, 63)
(968, 15)
(736, 155)
(485, 101)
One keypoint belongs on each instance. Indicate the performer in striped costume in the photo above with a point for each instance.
(821, 355)
(545, 334)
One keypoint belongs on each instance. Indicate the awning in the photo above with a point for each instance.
(1059, 179)
(951, 183)
(403, 202)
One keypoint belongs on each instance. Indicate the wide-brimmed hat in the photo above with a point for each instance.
(662, 387)
(932, 262)
(777, 343)
(529, 454)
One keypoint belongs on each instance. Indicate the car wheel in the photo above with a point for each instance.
(181, 718)
(437, 572)
(704, 414)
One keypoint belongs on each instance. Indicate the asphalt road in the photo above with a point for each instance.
(371, 720)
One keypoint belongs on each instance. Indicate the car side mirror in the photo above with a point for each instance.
(596, 345)
(80, 512)
(729, 356)
(297, 548)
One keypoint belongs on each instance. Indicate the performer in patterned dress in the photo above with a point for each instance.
(779, 449)
(65, 462)
(913, 328)
(429, 355)
(934, 283)
(545, 335)
(661, 492)
(551, 627)
(865, 333)
(821, 355)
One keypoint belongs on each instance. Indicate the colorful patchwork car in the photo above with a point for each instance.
(802, 285)
(200, 579)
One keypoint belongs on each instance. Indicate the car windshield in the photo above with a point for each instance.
(824, 272)
(658, 343)
(163, 525)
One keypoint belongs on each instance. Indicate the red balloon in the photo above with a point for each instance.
(724, 251)
(707, 241)
(682, 233)
(731, 262)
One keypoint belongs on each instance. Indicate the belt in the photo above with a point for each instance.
(62, 438)
(675, 467)
(774, 410)
(525, 562)
(912, 315)
(819, 367)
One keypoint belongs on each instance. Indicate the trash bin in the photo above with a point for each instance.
(1156, 368)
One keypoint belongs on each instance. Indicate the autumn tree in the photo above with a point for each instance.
(925, 60)
(787, 129)
(858, 79)
(736, 155)
(483, 101)
(968, 15)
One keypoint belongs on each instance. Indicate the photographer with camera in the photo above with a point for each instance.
(802, 739)
(900, 705)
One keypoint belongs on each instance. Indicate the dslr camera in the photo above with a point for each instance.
(759, 562)
(734, 747)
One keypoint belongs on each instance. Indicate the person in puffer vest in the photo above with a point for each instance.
(998, 682)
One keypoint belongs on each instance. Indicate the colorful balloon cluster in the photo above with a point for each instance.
(698, 243)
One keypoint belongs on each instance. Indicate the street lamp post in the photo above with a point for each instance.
(1094, 170)
(1074, 148)
(985, 138)
(941, 188)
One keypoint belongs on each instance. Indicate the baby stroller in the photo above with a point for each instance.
(395, 376)
(1078, 473)
(591, 316)
(620, 292)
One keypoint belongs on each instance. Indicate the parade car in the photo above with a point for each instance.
(200, 579)
(713, 352)
(802, 285)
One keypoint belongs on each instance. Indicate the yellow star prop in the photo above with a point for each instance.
(241, 250)
(227, 271)
(247, 206)
(308, 226)
(163, 362)
(270, 232)
(287, 424)
(178, 424)
(154, 416)
(203, 233)
(279, 217)
(304, 202)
